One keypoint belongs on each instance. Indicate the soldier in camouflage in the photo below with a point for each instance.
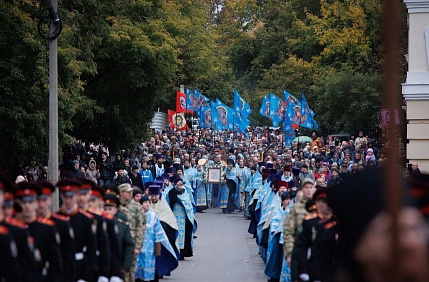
(136, 220)
(294, 220)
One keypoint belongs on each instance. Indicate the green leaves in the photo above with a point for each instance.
(121, 60)
(346, 101)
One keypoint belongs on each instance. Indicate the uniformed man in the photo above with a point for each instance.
(96, 203)
(317, 233)
(9, 268)
(42, 230)
(102, 267)
(27, 253)
(84, 229)
(136, 220)
(295, 217)
(123, 234)
(64, 229)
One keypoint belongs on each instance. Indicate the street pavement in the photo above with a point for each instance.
(223, 251)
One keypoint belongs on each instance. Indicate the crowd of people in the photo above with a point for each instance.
(131, 217)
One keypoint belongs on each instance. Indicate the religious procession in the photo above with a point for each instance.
(307, 205)
(97, 184)
(309, 201)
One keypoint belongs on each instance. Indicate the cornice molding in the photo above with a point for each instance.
(417, 6)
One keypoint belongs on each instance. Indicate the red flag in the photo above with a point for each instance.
(181, 103)
(177, 120)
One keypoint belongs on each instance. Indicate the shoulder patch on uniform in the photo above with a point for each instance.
(123, 221)
(87, 214)
(46, 221)
(330, 224)
(108, 216)
(97, 212)
(3, 230)
(60, 216)
(310, 216)
(15, 222)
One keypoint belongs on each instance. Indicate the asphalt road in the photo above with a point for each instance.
(223, 251)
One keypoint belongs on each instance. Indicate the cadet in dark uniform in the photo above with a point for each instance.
(123, 234)
(96, 202)
(27, 253)
(102, 267)
(318, 233)
(84, 230)
(42, 230)
(9, 268)
(64, 229)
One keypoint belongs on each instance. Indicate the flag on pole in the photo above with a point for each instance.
(193, 100)
(293, 108)
(205, 114)
(181, 103)
(241, 106)
(288, 133)
(240, 123)
(216, 124)
(224, 116)
(306, 117)
(277, 110)
(177, 120)
(204, 101)
(265, 107)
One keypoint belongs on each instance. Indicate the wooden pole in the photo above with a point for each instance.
(391, 96)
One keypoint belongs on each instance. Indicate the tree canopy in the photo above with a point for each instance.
(121, 60)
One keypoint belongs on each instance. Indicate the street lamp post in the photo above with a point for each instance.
(53, 165)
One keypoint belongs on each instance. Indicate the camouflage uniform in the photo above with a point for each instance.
(137, 221)
(292, 225)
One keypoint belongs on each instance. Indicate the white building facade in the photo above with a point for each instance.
(416, 88)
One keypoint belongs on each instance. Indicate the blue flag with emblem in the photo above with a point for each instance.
(240, 123)
(205, 114)
(288, 133)
(193, 102)
(204, 101)
(306, 118)
(265, 107)
(241, 106)
(216, 124)
(225, 116)
(277, 110)
(293, 108)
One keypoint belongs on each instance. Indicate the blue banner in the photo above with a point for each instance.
(241, 106)
(222, 116)
(205, 114)
(306, 118)
(204, 101)
(239, 122)
(193, 100)
(265, 107)
(216, 124)
(293, 108)
(277, 110)
(288, 133)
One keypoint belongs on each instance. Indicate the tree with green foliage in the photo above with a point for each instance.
(347, 100)
(119, 61)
